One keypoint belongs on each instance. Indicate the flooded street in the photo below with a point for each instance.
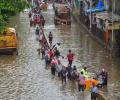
(24, 77)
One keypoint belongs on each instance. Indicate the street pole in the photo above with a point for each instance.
(90, 15)
(112, 35)
(32, 2)
(113, 9)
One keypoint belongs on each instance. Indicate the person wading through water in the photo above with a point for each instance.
(59, 68)
(70, 57)
(94, 92)
(47, 60)
(50, 36)
(81, 85)
(104, 75)
(42, 21)
(43, 52)
(74, 73)
(50, 54)
(37, 31)
(56, 52)
(63, 74)
(53, 68)
(85, 72)
(69, 71)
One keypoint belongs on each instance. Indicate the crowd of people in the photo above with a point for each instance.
(70, 72)
(51, 55)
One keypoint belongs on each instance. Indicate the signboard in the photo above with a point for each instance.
(116, 26)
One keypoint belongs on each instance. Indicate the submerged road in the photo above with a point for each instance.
(24, 77)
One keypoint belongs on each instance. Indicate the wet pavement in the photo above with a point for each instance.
(24, 77)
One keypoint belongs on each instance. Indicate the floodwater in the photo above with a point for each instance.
(24, 77)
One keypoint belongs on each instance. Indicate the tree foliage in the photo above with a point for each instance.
(9, 8)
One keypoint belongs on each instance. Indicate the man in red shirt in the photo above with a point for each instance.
(70, 56)
(50, 54)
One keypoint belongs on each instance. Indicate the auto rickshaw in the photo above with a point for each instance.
(8, 41)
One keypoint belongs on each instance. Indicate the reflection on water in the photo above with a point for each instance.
(24, 77)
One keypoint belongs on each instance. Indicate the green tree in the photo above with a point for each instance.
(9, 8)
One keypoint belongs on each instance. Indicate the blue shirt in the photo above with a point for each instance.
(94, 89)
